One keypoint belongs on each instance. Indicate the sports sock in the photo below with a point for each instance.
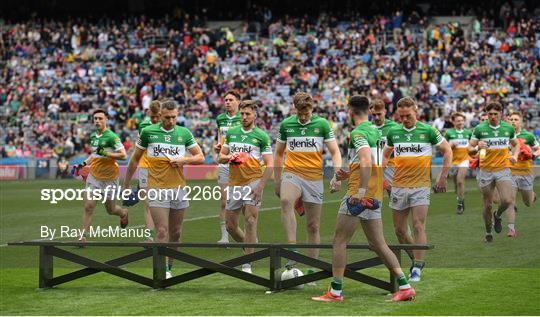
(511, 226)
(419, 264)
(460, 200)
(403, 283)
(336, 286)
(488, 227)
(169, 267)
(224, 233)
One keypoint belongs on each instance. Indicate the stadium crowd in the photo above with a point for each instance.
(54, 73)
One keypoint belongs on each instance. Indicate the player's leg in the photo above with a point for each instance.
(143, 186)
(176, 220)
(525, 185)
(460, 188)
(232, 225)
(345, 227)
(223, 214)
(507, 199)
(251, 214)
(373, 230)
(290, 192)
(528, 197)
(313, 224)
(487, 199)
(419, 216)
(89, 206)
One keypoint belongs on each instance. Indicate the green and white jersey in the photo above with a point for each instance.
(104, 168)
(255, 143)
(384, 128)
(162, 146)
(304, 145)
(525, 167)
(225, 122)
(143, 163)
(498, 140)
(461, 140)
(412, 154)
(365, 135)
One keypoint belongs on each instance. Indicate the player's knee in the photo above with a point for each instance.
(287, 203)
(418, 227)
(230, 225)
(313, 227)
(339, 241)
(110, 209)
(251, 221)
(88, 208)
(161, 233)
(401, 233)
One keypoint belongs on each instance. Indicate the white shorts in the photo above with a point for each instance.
(94, 184)
(172, 198)
(485, 178)
(367, 214)
(404, 198)
(223, 174)
(523, 182)
(455, 168)
(312, 191)
(143, 177)
(238, 196)
(388, 174)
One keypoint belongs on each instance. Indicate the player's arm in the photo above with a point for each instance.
(515, 150)
(197, 156)
(446, 150)
(364, 158)
(119, 154)
(333, 148)
(225, 154)
(132, 165)
(217, 148)
(387, 151)
(278, 165)
(269, 162)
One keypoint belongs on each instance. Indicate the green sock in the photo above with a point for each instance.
(152, 233)
(402, 280)
(169, 267)
(336, 286)
(310, 270)
(419, 264)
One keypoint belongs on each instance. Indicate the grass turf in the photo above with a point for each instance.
(464, 275)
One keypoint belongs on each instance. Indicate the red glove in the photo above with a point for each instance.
(474, 162)
(239, 158)
(525, 153)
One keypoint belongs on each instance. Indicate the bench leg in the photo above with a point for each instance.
(393, 280)
(275, 268)
(158, 266)
(45, 267)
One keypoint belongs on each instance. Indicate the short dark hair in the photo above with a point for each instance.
(249, 104)
(169, 104)
(100, 111)
(359, 104)
(495, 105)
(303, 100)
(232, 92)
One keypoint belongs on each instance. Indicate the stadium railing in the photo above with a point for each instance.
(48, 250)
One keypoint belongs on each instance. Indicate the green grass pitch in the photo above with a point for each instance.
(463, 276)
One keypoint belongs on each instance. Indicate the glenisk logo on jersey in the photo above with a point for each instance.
(304, 143)
(410, 149)
(165, 150)
(243, 148)
(497, 142)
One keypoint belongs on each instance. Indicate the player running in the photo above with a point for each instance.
(458, 137)
(379, 120)
(103, 174)
(364, 189)
(152, 117)
(412, 144)
(522, 170)
(303, 136)
(165, 145)
(230, 118)
(244, 148)
(491, 139)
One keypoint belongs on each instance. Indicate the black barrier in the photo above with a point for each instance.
(158, 251)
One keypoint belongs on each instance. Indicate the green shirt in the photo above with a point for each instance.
(225, 122)
(304, 145)
(498, 140)
(104, 168)
(254, 142)
(412, 154)
(459, 139)
(161, 147)
(365, 135)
